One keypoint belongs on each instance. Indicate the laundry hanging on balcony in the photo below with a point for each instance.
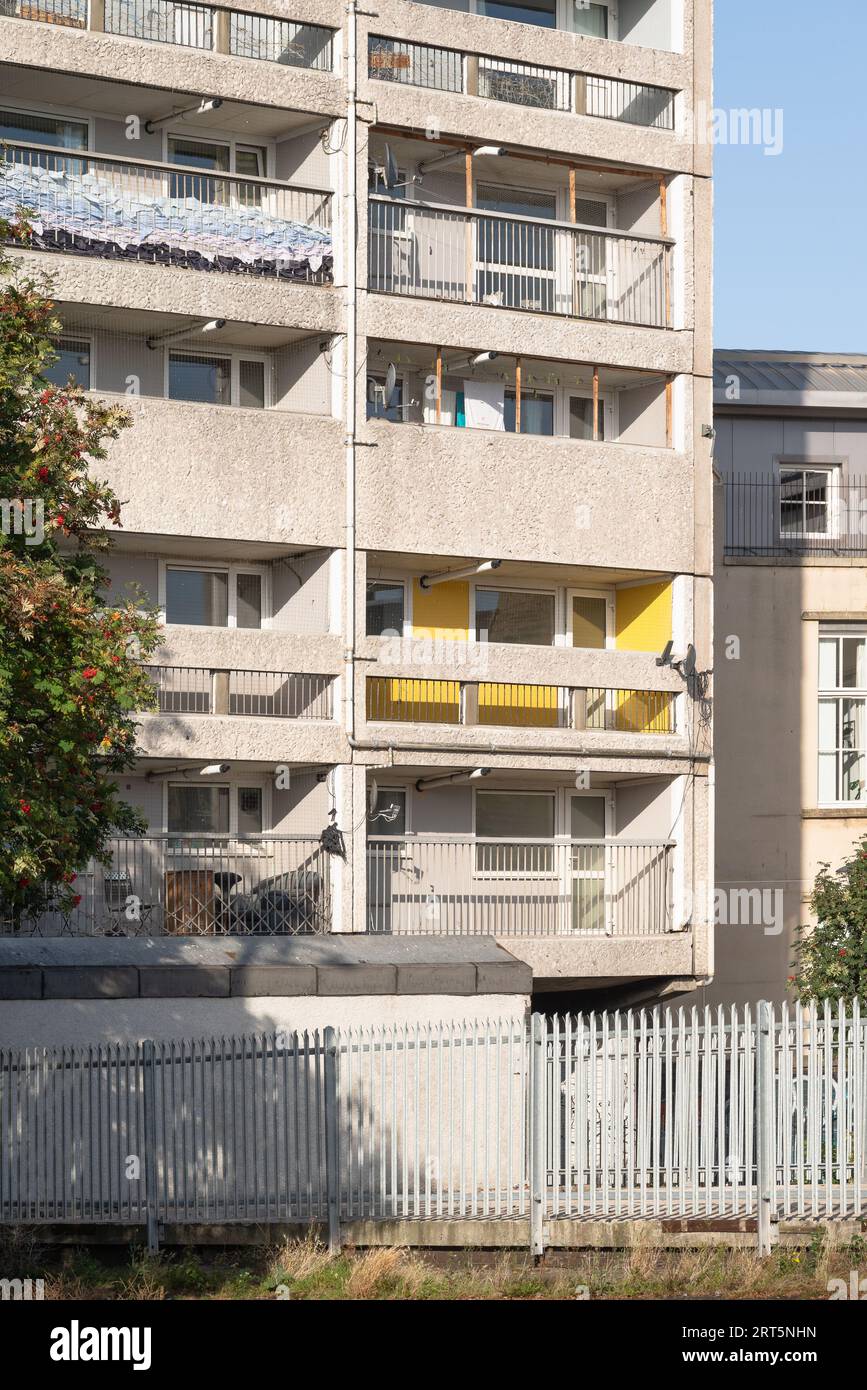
(84, 213)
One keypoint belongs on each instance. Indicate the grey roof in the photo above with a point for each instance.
(792, 378)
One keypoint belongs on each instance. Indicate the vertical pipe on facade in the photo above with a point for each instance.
(350, 244)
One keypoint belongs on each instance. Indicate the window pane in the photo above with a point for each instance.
(384, 609)
(43, 130)
(199, 809)
(507, 616)
(198, 154)
(514, 815)
(816, 502)
(828, 737)
(537, 414)
(588, 621)
(73, 360)
(589, 19)
(828, 663)
(204, 379)
(389, 818)
(588, 818)
(250, 160)
(853, 674)
(521, 202)
(852, 777)
(827, 778)
(200, 597)
(249, 600)
(581, 418)
(249, 810)
(251, 384)
(852, 724)
(540, 12)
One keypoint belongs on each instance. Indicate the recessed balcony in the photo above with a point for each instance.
(512, 705)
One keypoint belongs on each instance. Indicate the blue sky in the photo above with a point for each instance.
(791, 230)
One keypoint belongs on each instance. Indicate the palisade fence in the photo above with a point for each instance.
(750, 1113)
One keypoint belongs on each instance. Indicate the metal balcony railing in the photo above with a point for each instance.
(813, 513)
(416, 700)
(520, 84)
(432, 251)
(197, 885)
(460, 885)
(256, 694)
(206, 27)
(146, 211)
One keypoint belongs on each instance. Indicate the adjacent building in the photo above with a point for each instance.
(791, 636)
(416, 338)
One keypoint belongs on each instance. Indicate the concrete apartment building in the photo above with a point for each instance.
(416, 338)
(791, 633)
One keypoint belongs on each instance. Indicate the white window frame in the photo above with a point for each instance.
(833, 467)
(610, 598)
(561, 10)
(837, 694)
(216, 137)
(234, 356)
(60, 113)
(232, 570)
(252, 779)
(399, 581)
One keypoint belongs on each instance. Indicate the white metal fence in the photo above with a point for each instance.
(735, 1113)
(465, 886)
(436, 251)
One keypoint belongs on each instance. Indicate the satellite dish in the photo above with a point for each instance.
(372, 797)
(390, 383)
(392, 177)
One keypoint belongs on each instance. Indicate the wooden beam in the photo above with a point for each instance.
(517, 395)
(439, 384)
(572, 200)
(595, 404)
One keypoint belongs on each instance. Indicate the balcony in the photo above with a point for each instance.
(806, 512)
(203, 27)
(469, 256)
(189, 885)
(644, 23)
(519, 84)
(416, 700)
(140, 210)
(461, 885)
(254, 694)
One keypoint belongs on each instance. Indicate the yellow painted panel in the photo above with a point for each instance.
(519, 706)
(442, 612)
(643, 620)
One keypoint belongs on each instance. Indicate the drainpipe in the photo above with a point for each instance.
(351, 252)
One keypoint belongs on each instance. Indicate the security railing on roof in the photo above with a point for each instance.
(813, 513)
(207, 27)
(433, 251)
(142, 210)
(520, 84)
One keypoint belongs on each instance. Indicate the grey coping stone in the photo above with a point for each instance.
(90, 982)
(185, 982)
(288, 980)
(504, 977)
(356, 979)
(20, 983)
(436, 979)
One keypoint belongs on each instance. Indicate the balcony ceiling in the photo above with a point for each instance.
(145, 323)
(509, 169)
(205, 547)
(537, 371)
(574, 575)
(117, 99)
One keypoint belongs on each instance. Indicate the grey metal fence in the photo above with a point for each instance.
(255, 694)
(730, 1113)
(197, 885)
(520, 84)
(803, 512)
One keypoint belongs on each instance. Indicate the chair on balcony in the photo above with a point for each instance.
(118, 889)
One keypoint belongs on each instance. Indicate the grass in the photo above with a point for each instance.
(304, 1270)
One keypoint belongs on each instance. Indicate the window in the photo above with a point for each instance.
(586, 17)
(73, 360)
(249, 810)
(581, 417)
(842, 715)
(195, 810)
(206, 160)
(537, 412)
(32, 129)
(808, 500)
(217, 379)
(385, 608)
(508, 816)
(539, 12)
(389, 817)
(516, 616)
(230, 597)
